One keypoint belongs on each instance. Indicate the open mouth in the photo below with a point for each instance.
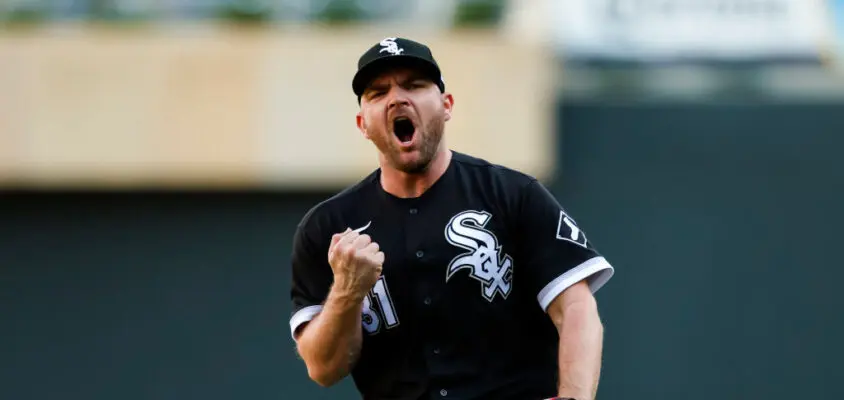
(403, 129)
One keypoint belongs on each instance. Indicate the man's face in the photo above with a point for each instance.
(403, 113)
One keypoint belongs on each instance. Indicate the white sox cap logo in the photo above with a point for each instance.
(390, 46)
(466, 230)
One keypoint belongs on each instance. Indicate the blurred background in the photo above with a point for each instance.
(156, 155)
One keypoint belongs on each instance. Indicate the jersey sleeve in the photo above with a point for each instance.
(311, 280)
(556, 251)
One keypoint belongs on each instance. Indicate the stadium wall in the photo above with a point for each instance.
(220, 106)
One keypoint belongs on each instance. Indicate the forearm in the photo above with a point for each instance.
(330, 344)
(580, 349)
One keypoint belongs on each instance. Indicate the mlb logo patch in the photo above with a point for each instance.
(567, 230)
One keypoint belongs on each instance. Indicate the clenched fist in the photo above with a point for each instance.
(356, 261)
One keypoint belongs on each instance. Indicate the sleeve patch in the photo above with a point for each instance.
(567, 230)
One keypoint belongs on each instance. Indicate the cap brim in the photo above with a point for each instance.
(370, 71)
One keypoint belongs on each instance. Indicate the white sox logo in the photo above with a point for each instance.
(466, 230)
(390, 46)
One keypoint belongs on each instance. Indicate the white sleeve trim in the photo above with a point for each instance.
(304, 315)
(597, 269)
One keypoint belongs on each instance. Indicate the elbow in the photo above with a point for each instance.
(323, 377)
(325, 366)
(325, 372)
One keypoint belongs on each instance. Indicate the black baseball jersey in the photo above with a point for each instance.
(470, 268)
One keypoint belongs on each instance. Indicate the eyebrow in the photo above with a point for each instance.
(415, 77)
(378, 86)
(408, 79)
(381, 86)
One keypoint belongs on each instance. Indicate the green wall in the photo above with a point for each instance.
(723, 222)
(148, 296)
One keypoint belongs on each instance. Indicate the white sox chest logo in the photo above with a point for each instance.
(484, 260)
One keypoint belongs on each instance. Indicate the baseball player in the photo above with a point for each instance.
(441, 275)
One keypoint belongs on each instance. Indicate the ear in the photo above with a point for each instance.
(448, 105)
(361, 123)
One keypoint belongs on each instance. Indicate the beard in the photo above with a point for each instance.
(428, 143)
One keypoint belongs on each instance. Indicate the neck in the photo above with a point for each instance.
(404, 185)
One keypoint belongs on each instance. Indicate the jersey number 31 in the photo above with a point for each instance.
(372, 319)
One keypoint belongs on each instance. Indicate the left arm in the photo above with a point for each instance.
(565, 270)
(575, 314)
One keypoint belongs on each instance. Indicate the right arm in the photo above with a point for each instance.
(330, 343)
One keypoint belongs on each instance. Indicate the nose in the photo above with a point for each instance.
(397, 97)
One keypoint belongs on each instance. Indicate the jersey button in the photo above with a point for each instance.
(420, 253)
(413, 211)
(443, 392)
(427, 301)
(437, 351)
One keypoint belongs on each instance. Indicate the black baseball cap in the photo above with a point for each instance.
(394, 52)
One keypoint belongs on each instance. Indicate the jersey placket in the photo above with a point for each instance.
(426, 294)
